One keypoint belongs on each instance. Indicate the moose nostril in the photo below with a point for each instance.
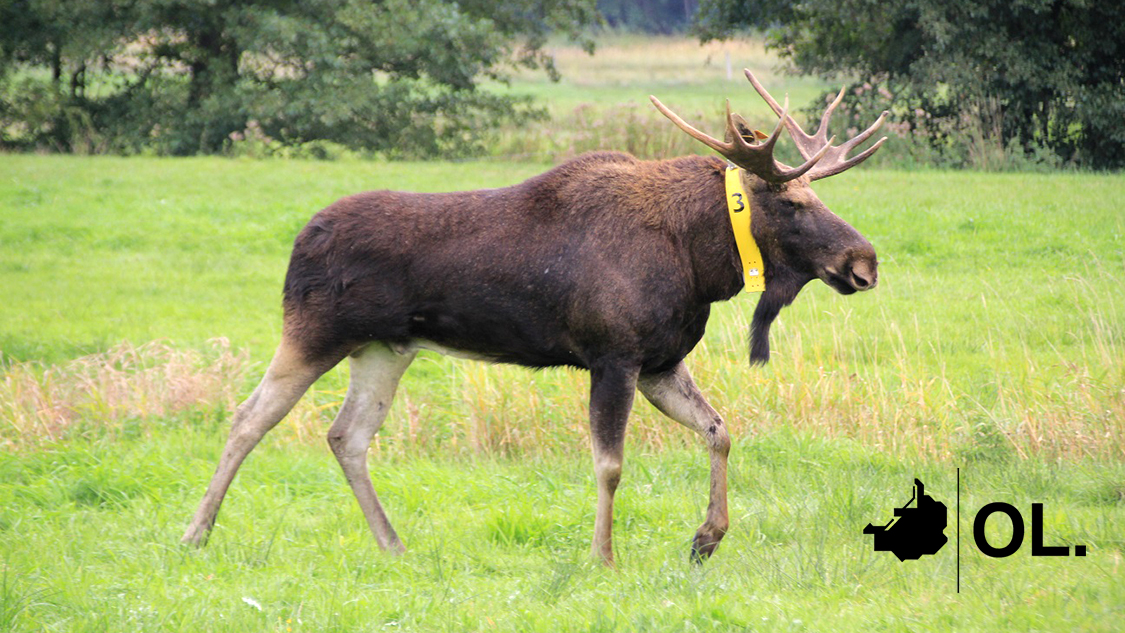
(861, 282)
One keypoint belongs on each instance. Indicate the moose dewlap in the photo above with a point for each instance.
(606, 263)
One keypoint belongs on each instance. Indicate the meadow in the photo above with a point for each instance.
(141, 301)
(601, 101)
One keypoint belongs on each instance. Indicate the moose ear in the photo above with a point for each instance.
(754, 136)
(743, 129)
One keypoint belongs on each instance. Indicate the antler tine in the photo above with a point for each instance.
(709, 141)
(817, 144)
(756, 158)
(834, 169)
(794, 130)
(762, 91)
(866, 134)
(822, 131)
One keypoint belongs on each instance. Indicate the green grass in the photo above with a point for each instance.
(88, 535)
(993, 343)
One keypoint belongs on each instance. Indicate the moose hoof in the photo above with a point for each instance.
(704, 543)
(195, 537)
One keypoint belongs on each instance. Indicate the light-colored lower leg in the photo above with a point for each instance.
(676, 395)
(286, 380)
(611, 399)
(375, 372)
(607, 469)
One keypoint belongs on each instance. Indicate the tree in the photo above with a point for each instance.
(185, 76)
(1030, 75)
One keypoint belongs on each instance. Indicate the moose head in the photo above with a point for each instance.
(800, 238)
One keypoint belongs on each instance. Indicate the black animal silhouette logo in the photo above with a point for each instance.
(914, 532)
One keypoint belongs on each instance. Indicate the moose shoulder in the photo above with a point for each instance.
(606, 263)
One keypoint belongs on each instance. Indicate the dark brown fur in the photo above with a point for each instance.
(603, 256)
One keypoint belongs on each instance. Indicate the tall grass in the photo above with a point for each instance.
(996, 331)
(99, 393)
(881, 393)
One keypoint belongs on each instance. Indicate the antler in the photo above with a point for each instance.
(757, 159)
(836, 160)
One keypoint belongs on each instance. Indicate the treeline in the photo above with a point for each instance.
(397, 77)
(969, 83)
(974, 82)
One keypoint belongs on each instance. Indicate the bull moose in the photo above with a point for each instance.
(606, 263)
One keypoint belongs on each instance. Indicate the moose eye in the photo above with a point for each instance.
(788, 207)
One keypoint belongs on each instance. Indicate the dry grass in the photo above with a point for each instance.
(602, 103)
(630, 59)
(1058, 410)
(44, 403)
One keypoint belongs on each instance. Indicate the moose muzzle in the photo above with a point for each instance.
(859, 271)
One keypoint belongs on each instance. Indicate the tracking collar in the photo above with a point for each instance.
(738, 206)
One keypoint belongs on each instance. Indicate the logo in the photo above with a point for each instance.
(919, 531)
(914, 532)
(1037, 546)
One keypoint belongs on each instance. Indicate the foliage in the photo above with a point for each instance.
(969, 76)
(183, 76)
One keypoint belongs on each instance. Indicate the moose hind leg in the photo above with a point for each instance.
(286, 380)
(675, 394)
(375, 372)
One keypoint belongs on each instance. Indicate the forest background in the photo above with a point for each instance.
(993, 84)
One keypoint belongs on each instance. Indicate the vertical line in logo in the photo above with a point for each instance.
(958, 529)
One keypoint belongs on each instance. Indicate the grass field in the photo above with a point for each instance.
(89, 543)
(993, 344)
(602, 102)
(626, 68)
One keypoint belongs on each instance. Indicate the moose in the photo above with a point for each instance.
(606, 263)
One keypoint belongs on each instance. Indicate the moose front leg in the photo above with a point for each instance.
(675, 394)
(611, 399)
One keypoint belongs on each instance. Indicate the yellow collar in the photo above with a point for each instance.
(738, 206)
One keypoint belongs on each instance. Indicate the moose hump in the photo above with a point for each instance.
(914, 532)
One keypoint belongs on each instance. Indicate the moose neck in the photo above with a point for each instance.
(718, 267)
(714, 251)
(709, 237)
